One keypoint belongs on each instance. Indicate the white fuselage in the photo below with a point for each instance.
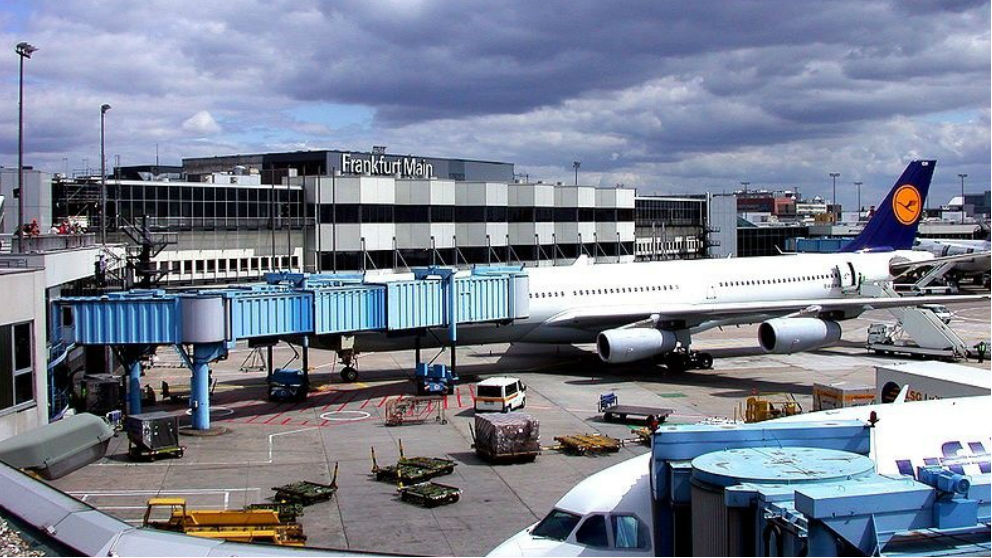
(554, 290)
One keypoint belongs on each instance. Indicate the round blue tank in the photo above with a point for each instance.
(786, 465)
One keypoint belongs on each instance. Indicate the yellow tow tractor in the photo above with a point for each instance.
(250, 525)
(760, 408)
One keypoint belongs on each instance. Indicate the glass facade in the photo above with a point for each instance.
(668, 211)
(766, 241)
(182, 206)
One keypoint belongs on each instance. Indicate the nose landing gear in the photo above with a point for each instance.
(349, 359)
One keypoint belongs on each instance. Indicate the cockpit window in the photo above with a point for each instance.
(592, 532)
(629, 532)
(556, 525)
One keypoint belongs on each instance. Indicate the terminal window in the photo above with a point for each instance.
(16, 365)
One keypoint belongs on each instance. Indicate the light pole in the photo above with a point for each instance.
(745, 185)
(103, 177)
(575, 165)
(962, 176)
(833, 199)
(23, 50)
(858, 184)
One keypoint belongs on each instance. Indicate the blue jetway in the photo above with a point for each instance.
(288, 305)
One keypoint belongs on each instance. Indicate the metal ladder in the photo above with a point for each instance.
(935, 273)
(920, 324)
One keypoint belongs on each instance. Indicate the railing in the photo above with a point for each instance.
(48, 242)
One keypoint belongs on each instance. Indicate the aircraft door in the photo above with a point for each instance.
(854, 274)
(710, 292)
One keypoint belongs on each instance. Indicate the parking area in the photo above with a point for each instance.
(262, 444)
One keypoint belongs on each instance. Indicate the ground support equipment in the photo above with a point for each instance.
(429, 494)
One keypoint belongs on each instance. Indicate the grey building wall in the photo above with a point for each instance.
(722, 221)
(23, 406)
(37, 198)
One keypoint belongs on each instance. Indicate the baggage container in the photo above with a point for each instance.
(153, 434)
(840, 395)
(507, 437)
(59, 448)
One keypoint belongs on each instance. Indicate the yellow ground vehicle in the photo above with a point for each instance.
(255, 525)
(764, 407)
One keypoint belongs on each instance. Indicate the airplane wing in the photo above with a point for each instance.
(692, 315)
(907, 266)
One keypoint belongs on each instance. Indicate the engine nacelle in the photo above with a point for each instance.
(616, 346)
(794, 335)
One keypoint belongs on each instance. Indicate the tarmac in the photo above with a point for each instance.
(260, 444)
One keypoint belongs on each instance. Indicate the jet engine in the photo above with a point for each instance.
(616, 346)
(794, 335)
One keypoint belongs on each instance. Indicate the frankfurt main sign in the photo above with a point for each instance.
(379, 165)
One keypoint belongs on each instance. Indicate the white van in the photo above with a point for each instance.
(501, 393)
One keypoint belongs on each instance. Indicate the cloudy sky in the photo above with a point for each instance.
(669, 97)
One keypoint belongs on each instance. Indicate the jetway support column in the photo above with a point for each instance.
(306, 361)
(133, 386)
(130, 358)
(452, 319)
(268, 364)
(199, 394)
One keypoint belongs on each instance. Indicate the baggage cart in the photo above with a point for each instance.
(614, 412)
(412, 469)
(306, 493)
(409, 410)
(581, 444)
(429, 494)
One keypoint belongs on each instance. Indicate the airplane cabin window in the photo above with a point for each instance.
(557, 525)
(592, 532)
(629, 532)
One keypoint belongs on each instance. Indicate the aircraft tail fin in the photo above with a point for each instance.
(893, 227)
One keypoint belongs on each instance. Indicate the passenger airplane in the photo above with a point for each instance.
(620, 496)
(645, 310)
(977, 267)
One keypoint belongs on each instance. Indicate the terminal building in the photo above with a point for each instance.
(236, 217)
(670, 227)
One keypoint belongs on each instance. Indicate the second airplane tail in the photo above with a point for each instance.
(893, 227)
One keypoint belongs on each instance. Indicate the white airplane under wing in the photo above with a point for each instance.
(693, 315)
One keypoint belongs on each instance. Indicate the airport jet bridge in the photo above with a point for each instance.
(293, 306)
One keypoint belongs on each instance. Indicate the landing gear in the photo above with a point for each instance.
(680, 361)
(349, 359)
(703, 360)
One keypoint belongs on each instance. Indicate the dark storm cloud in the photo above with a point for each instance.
(653, 94)
(450, 60)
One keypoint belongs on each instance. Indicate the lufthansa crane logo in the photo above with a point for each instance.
(907, 204)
